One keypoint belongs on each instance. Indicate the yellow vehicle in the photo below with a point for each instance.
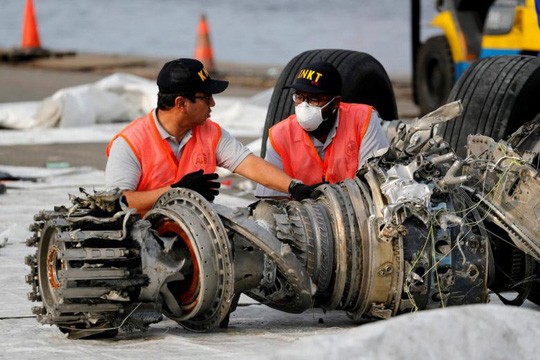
(471, 29)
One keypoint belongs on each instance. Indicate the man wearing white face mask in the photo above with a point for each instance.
(326, 140)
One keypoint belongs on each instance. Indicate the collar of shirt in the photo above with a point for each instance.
(173, 143)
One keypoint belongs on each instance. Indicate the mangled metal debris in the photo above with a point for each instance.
(412, 231)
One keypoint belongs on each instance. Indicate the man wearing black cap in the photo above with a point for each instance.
(177, 145)
(326, 140)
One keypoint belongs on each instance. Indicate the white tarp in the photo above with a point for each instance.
(121, 98)
(118, 97)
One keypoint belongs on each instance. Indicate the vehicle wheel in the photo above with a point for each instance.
(534, 295)
(513, 268)
(434, 74)
(498, 94)
(364, 81)
(527, 139)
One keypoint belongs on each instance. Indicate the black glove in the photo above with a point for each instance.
(201, 183)
(300, 191)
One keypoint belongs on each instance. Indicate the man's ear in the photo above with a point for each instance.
(179, 101)
(337, 101)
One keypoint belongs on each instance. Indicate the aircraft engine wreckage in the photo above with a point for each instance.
(409, 232)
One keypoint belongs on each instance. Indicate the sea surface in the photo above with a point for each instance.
(265, 32)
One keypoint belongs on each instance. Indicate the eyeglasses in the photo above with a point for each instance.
(312, 100)
(206, 98)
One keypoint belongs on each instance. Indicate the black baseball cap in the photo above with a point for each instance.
(317, 78)
(188, 76)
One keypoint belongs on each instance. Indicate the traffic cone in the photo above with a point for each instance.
(30, 36)
(203, 48)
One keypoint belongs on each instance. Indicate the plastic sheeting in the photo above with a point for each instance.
(121, 98)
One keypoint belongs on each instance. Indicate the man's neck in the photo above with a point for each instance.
(321, 133)
(170, 122)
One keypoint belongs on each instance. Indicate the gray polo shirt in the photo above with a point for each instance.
(123, 169)
(373, 140)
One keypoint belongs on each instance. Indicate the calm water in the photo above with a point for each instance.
(242, 31)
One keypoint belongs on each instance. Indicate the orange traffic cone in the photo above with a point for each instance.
(203, 48)
(30, 36)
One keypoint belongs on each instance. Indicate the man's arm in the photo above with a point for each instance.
(123, 171)
(273, 158)
(143, 200)
(264, 173)
(232, 155)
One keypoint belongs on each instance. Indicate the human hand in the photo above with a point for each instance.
(300, 191)
(201, 183)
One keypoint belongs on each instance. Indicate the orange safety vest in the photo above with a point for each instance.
(159, 165)
(300, 158)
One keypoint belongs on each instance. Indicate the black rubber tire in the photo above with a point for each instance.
(498, 94)
(364, 81)
(434, 71)
(534, 295)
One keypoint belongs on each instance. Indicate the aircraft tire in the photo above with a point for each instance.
(499, 94)
(434, 74)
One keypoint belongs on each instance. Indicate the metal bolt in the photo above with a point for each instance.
(30, 260)
(38, 310)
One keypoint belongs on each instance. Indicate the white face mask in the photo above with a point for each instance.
(309, 117)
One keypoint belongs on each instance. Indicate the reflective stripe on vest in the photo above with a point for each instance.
(159, 165)
(300, 158)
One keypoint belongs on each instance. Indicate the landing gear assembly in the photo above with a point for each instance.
(420, 226)
(406, 234)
